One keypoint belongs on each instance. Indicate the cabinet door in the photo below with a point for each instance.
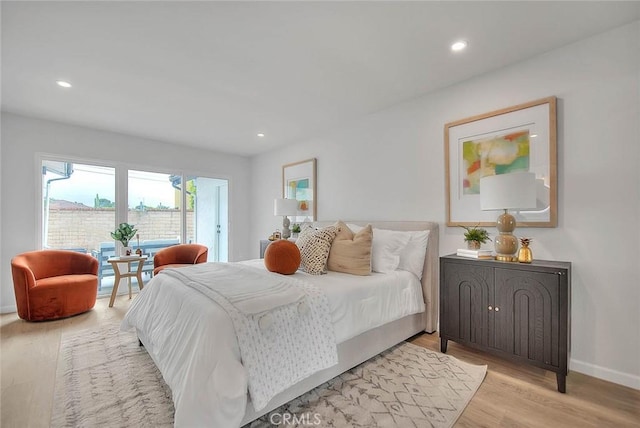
(467, 291)
(527, 315)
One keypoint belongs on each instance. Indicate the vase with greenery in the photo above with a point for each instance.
(124, 233)
(295, 229)
(475, 236)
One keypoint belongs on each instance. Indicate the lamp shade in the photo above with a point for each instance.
(508, 191)
(285, 207)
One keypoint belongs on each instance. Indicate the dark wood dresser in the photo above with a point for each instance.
(518, 311)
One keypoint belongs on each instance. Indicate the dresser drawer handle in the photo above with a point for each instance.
(490, 308)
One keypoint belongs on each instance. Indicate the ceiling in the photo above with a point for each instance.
(215, 74)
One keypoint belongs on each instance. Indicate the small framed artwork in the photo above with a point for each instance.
(299, 183)
(521, 138)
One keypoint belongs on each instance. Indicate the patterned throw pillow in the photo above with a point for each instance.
(314, 245)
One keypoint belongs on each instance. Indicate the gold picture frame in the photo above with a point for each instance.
(299, 182)
(518, 138)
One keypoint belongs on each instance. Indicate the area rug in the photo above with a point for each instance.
(105, 379)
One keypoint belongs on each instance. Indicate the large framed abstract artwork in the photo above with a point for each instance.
(514, 139)
(299, 183)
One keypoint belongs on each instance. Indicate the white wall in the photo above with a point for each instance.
(390, 166)
(23, 137)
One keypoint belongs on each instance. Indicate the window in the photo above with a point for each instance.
(80, 207)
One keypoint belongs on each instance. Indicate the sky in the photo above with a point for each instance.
(86, 181)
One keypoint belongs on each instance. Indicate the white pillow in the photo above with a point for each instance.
(385, 249)
(412, 252)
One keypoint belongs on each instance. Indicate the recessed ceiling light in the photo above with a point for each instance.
(261, 135)
(533, 135)
(63, 83)
(459, 45)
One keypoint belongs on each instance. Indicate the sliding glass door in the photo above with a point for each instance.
(207, 200)
(155, 207)
(79, 211)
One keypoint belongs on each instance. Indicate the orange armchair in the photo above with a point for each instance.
(52, 284)
(179, 255)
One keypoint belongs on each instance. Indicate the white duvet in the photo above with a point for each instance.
(281, 323)
(193, 343)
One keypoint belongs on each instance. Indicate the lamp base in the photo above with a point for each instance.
(505, 258)
(506, 244)
(286, 232)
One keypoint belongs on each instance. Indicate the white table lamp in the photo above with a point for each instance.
(285, 207)
(515, 191)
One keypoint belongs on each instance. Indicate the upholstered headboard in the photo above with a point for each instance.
(430, 282)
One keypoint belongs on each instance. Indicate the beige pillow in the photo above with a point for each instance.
(314, 245)
(351, 253)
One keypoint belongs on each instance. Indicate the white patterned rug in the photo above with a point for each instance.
(105, 379)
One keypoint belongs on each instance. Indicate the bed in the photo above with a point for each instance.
(194, 345)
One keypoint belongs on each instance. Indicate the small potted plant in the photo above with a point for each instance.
(295, 229)
(124, 233)
(475, 236)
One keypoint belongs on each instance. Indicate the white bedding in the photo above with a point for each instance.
(360, 303)
(281, 323)
(193, 343)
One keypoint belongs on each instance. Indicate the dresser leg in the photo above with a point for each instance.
(562, 382)
(443, 345)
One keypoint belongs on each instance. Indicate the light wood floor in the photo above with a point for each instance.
(515, 395)
(511, 395)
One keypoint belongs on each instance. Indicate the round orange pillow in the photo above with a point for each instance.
(282, 256)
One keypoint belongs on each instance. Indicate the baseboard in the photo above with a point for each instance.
(8, 309)
(626, 379)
